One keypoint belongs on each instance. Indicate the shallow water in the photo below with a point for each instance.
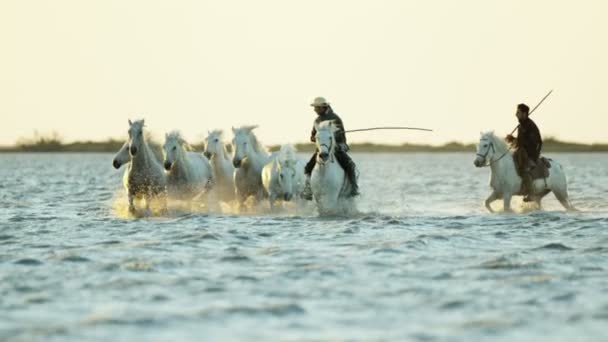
(423, 260)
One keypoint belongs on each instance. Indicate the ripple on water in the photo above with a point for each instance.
(28, 262)
(278, 310)
(503, 263)
(235, 258)
(555, 246)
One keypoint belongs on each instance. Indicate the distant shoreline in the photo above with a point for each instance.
(550, 145)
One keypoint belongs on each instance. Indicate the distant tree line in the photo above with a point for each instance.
(53, 142)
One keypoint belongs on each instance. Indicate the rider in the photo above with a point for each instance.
(528, 143)
(325, 112)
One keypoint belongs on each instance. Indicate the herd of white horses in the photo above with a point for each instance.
(251, 172)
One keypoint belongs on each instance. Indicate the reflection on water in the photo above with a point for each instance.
(422, 261)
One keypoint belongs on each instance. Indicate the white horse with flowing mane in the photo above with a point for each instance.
(504, 180)
(283, 177)
(188, 173)
(329, 184)
(144, 178)
(249, 159)
(221, 164)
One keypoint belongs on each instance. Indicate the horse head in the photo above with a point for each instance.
(243, 143)
(136, 136)
(213, 144)
(173, 149)
(325, 141)
(122, 156)
(486, 149)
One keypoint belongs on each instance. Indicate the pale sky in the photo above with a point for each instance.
(82, 68)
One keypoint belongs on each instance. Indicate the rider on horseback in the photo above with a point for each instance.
(325, 112)
(528, 143)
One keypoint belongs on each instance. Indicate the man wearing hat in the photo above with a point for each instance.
(324, 113)
(528, 143)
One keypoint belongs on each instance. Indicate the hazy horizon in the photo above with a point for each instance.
(82, 69)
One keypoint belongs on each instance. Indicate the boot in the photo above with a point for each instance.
(351, 173)
(527, 191)
(307, 193)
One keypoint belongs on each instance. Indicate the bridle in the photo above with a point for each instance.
(485, 155)
(329, 148)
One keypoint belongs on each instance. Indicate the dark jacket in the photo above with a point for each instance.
(528, 138)
(330, 115)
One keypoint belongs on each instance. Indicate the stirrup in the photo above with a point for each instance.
(307, 193)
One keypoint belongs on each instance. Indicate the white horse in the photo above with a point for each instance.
(223, 170)
(504, 180)
(328, 181)
(283, 177)
(249, 159)
(188, 173)
(144, 178)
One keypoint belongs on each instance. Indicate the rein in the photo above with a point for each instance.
(329, 149)
(485, 155)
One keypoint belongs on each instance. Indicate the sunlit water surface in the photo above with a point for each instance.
(422, 261)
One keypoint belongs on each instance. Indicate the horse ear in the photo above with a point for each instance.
(130, 123)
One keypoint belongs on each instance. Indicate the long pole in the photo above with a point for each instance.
(533, 109)
(388, 128)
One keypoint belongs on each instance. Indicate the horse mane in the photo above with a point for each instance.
(138, 123)
(287, 154)
(176, 136)
(217, 132)
(499, 144)
(220, 134)
(326, 124)
(255, 143)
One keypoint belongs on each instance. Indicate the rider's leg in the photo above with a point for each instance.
(527, 181)
(307, 193)
(350, 169)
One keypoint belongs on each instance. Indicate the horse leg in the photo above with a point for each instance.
(562, 197)
(131, 198)
(540, 198)
(507, 203)
(240, 198)
(271, 199)
(493, 197)
(163, 202)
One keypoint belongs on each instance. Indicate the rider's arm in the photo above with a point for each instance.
(340, 136)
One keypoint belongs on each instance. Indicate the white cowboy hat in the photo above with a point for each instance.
(319, 102)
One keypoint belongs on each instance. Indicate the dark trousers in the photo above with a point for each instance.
(343, 159)
(523, 165)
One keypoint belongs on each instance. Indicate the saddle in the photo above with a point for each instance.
(541, 170)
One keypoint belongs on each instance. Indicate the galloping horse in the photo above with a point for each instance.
(145, 177)
(328, 181)
(283, 177)
(504, 180)
(223, 170)
(188, 173)
(249, 159)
